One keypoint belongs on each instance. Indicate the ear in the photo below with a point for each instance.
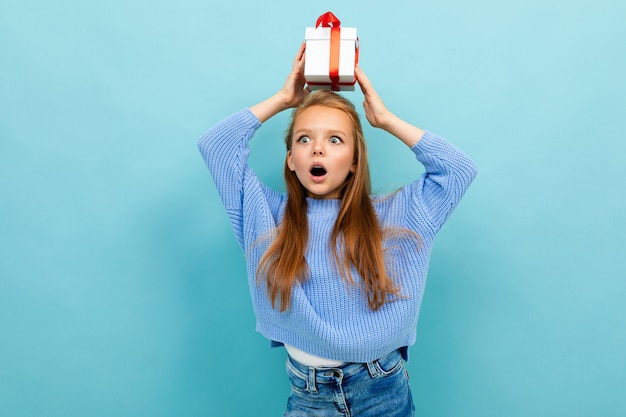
(353, 166)
(290, 163)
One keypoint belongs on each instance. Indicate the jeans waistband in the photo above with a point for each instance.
(324, 374)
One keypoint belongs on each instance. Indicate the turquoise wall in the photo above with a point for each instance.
(123, 291)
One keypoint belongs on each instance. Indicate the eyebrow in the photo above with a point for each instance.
(333, 132)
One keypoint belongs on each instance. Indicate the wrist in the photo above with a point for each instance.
(268, 108)
(282, 101)
(388, 121)
(403, 130)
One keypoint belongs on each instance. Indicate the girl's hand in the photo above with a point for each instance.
(294, 91)
(378, 115)
(375, 110)
(290, 95)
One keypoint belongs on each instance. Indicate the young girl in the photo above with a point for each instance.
(336, 275)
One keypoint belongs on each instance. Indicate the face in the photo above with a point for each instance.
(322, 150)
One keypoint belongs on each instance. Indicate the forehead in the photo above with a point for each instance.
(320, 118)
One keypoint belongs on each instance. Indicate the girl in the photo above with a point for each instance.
(336, 275)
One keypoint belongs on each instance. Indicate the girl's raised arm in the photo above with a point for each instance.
(379, 116)
(290, 95)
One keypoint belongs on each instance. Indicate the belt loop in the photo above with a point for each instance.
(311, 386)
(373, 369)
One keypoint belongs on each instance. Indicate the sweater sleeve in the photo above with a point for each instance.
(225, 151)
(448, 174)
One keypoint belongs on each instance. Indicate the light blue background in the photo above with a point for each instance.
(122, 289)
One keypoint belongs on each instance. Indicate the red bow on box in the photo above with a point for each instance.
(330, 20)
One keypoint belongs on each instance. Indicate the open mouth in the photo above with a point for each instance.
(318, 171)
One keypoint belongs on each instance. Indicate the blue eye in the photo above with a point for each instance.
(304, 139)
(335, 140)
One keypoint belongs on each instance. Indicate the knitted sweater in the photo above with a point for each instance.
(329, 317)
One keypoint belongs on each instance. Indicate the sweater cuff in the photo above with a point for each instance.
(425, 145)
(248, 118)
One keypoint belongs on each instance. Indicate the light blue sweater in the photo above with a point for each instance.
(328, 317)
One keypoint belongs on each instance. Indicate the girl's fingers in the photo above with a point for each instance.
(364, 82)
(299, 59)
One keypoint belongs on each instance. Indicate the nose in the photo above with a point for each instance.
(318, 149)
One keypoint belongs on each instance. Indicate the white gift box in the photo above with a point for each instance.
(318, 58)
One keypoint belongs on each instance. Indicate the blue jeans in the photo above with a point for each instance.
(372, 389)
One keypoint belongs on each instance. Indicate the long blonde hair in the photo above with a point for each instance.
(356, 228)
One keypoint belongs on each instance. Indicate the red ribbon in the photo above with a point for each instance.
(330, 20)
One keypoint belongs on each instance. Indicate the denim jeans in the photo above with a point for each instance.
(373, 389)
